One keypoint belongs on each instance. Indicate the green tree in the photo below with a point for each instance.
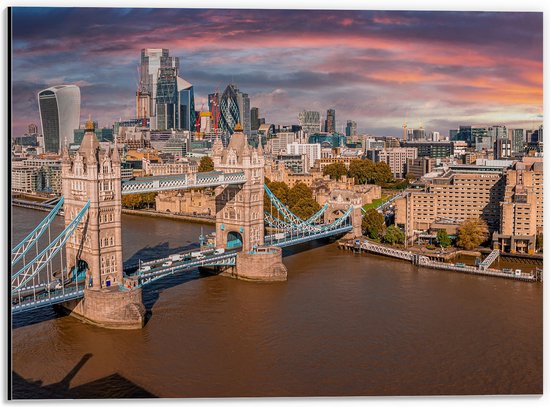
(132, 201)
(297, 192)
(443, 238)
(472, 233)
(305, 208)
(394, 235)
(335, 170)
(382, 173)
(410, 177)
(361, 170)
(373, 224)
(206, 164)
(280, 190)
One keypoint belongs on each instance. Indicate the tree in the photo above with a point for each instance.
(472, 233)
(335, 170)
(305, 208)
(443, 238)
(382, 173)
(206, 164)
(132, 201)
(280, 190)
(394, 235)
(297, 192)
(373, 224)
(361, 170)
(410, 177)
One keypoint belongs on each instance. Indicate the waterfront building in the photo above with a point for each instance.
(59, 109)
(460, 193)
(165, 168)
(330, 122)
(521, 211)
(23, 179)
(351, 128)
(396, 158)
(312, 151)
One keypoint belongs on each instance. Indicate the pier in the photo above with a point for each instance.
(363, 245)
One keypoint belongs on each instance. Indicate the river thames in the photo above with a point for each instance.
(343, 324)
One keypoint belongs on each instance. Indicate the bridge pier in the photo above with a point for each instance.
(265, 264)
(109, 308)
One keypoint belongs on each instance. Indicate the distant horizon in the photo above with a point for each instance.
(377, 68)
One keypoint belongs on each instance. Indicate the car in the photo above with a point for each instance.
(175, 257)
(144, 268)
(167, 263)
(219, 251)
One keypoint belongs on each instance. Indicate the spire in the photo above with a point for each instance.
(260, 147)
(238, 127)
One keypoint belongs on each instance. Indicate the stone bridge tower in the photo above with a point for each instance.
(96, 245)
(94, 174)
(240, 208)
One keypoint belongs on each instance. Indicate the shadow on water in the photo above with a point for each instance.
(112, 386)
(312, 244)
(159, 251)
(35, 317)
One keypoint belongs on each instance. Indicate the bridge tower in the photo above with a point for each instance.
(240, 208)
(95, 248)
(240, 212)
(94, 174)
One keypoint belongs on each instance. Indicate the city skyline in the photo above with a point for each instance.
(373, 67)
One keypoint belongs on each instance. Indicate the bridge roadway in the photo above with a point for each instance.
(292, 238)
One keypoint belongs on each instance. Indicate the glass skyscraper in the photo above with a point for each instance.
(175, 101)
(152, 60)
(234, 108)
(310, 121)
(59, 108)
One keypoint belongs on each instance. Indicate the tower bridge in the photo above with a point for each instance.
(91, 282)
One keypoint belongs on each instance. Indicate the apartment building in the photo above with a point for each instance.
(396, 158)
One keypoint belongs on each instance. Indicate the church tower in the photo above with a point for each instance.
(240, 208)
(96, 245)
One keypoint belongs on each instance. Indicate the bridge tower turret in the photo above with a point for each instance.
(240, 208)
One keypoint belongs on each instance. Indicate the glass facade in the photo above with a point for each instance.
(234, 107)
(50, 120)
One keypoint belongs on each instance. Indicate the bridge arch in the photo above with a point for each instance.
(234, 240)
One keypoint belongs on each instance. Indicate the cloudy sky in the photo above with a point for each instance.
(436, 69)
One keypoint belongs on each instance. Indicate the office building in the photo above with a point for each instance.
(279, 144)
(254, 118)
(152, 60)
(502, 149)
(418, 167)
(312, 151)
(517, 136)
(330, 122)
(310, 121)
(175, 101)
(396, 158)
(521, 211)
(433, 149)
(59, 108)
(351, 128)
(234, 108)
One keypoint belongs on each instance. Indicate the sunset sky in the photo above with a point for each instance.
(439, 69)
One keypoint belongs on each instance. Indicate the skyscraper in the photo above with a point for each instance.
(518, 140)
(254, 118)
(330, 123)
(175, 101)
(152, 59)
(351, 128)
(59, 108)
(234, 108)
(310, 121)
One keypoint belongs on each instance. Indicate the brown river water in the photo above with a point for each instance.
(343, 324)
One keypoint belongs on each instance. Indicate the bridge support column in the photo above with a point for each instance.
(356, 222)
(264, 264)
(110, 308)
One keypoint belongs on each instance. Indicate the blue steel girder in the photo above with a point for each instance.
(181, 181)
(26, 273)
(283, 210)
(22, 248)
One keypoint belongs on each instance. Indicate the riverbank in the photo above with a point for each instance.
(185, 218)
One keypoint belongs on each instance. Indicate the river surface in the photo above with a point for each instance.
(342, 324)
